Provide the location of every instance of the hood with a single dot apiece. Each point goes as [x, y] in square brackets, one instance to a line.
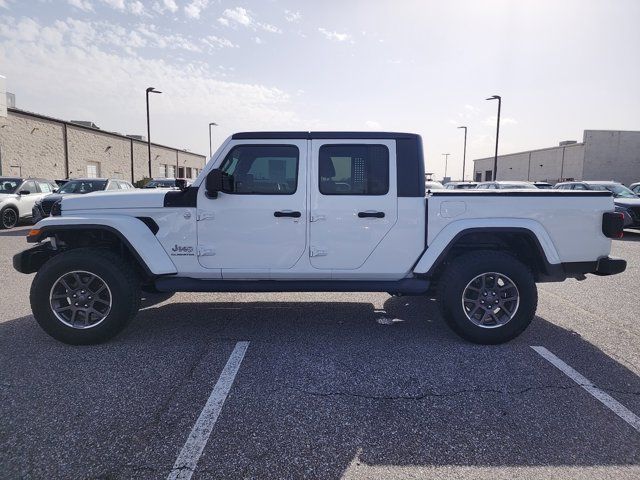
[53, 198]
[627, 202]
[117, 199]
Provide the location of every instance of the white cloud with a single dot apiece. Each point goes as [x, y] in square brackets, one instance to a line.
[117, 4]
[4, 3]
[290, 16]
[170, 5]
[70, 72]
[239, 15]
[338, 37]
[491, 121]
[136, 7]
[84, 5]
[258, 40]
[373, 125]
[194, 9]
[242, 16]
[218, 42]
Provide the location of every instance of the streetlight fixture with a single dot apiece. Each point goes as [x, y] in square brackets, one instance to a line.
[446, 161]
[464, 152]
[495, 157]
[212, 124]
[149, 90]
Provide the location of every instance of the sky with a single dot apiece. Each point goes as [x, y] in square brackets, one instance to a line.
[417, 66]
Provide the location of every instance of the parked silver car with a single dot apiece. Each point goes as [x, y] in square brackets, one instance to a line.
[19, 195]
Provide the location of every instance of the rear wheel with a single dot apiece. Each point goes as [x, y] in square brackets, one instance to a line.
[85, 296]
[8, 217]
[488, 297]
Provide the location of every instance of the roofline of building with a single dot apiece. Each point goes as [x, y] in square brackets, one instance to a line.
[94, 130]
[577, 144]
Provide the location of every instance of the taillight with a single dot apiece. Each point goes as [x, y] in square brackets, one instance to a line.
[613, 224]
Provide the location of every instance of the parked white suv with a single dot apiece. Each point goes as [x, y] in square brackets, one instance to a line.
[316, 211]
[18, 196]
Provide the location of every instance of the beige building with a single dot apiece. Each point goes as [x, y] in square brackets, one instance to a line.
[33, 145]
[602, 155]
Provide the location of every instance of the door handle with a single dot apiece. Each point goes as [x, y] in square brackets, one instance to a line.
[371, 214]
[287, 213]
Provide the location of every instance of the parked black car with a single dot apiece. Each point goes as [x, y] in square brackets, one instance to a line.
[42, 208]
[635, 188]
[627, 202]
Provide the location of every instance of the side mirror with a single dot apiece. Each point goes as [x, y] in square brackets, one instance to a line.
[55, 190]
[24, 192]
[218, 181]
[181, 183]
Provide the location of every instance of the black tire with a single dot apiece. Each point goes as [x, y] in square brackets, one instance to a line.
[117, 274]
[11, 220]
[464, 270]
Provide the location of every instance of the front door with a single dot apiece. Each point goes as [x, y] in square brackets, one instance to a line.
[353, 200]
[27, 201]
[261, 223]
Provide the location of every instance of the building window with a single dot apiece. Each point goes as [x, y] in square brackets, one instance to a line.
[93, 169]
[181, 172]
[488, 175]
[354, 170]
[478, 176]
[171, 171]
[162, 171]
[188, 173]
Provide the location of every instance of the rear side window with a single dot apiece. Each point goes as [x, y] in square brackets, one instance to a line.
[45, 187]
[263, 169]
[354, 170]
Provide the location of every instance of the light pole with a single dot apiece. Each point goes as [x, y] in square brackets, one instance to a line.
[495, 157]
[212, 124]
[149, 90]
[464, 152]
[446, 162]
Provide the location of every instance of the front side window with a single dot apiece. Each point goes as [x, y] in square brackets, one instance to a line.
[9, 185]
[354, 169]
[262, 169]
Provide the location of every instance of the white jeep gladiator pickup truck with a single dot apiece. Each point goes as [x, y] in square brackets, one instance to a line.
[321, 212]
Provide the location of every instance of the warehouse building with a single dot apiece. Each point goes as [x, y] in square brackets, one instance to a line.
[33, 145]
[602, 155]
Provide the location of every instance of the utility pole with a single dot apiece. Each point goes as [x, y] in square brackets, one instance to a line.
[149, 90]
[446, 162]
[495, 157]
[212, 124]
[464, 152]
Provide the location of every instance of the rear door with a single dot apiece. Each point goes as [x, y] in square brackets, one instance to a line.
[353, 200]
[261, 224]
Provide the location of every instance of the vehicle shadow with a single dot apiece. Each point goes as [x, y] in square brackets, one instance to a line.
[325, 389]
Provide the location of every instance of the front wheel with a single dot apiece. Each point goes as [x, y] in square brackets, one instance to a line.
[85, 296]
[8, 217]
[488, 297]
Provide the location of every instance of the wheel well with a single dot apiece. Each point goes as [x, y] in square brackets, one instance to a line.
[522, 244]
[100, 238]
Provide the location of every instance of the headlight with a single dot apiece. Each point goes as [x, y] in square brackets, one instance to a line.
[56, 209]
[38, 202]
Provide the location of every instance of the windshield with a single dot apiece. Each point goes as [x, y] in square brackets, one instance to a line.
[619, 191]
[9, 185]
[160, 184]
[83, 186]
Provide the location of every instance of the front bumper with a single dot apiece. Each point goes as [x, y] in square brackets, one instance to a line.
[30, 260]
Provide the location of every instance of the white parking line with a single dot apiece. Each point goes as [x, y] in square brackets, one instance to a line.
[606, 399]
[190, 453]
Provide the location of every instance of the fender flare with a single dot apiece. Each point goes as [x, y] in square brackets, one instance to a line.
[133, 232]
[447, 237]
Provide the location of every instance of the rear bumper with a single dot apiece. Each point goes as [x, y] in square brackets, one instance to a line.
[602, 267]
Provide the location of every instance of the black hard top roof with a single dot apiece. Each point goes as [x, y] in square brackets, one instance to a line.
[322, 135]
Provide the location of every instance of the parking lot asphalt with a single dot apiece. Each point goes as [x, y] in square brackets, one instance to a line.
[353, 386]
